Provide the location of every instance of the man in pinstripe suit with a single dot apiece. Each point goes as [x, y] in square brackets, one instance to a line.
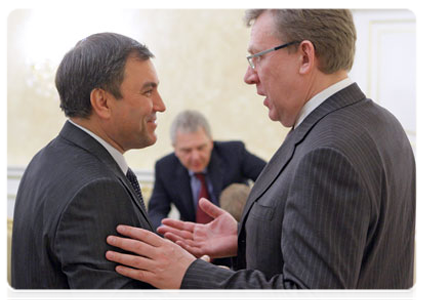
[335, 206]
[79, 186]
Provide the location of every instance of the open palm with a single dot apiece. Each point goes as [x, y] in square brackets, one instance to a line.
[217, 238]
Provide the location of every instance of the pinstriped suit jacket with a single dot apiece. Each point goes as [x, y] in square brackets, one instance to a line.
[334, 208]
[71, 197]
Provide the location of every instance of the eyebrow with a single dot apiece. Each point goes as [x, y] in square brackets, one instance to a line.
[150, 85]
[251, 49]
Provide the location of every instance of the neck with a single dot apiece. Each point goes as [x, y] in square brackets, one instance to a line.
[323, 81]
[95, 127]
[310, 87]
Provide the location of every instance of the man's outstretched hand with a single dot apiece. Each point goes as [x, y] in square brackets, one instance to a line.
[218, 238]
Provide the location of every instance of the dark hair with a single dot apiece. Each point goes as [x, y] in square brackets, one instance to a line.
[97, 61]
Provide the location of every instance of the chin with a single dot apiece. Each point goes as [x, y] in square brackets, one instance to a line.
[273, 116]
[197, 170]
[147, 141]
[152, 141]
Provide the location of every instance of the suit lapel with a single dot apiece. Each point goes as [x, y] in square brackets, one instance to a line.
[134, 196]
[283, 155]
[270, 172]
[85, 141]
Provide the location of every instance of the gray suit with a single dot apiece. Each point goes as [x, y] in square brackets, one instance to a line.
[334, 208]
[71, 197]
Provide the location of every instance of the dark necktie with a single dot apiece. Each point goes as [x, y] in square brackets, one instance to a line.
[134, 182]
[201, 216]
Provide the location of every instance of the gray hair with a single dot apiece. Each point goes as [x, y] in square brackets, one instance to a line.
[331, 31]
[97, 61]
[189, 121]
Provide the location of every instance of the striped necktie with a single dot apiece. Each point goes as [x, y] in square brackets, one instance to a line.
[134, 182]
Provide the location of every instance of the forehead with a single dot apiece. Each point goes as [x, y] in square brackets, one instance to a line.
[263, 33]
[191, 139]
[141, 70]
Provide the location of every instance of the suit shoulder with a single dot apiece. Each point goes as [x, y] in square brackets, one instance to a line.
[229, 145]
[167, 160]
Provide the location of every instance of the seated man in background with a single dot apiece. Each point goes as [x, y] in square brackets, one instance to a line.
[199, 167]
[233, 199]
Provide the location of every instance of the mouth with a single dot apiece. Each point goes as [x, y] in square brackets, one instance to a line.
[152, 120]
[259, 91]
[265, 100]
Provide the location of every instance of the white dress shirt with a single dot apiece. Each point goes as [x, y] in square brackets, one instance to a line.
[321, 97]
[117, 156]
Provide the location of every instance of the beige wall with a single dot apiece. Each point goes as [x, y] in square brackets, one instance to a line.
[200, 59]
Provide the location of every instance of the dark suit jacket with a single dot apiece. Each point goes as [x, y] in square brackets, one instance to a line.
[71, 197]
[334, 208]
[229, 163]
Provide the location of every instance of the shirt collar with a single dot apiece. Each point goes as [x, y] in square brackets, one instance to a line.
[319, 98]
[192, 173]
[117, 156]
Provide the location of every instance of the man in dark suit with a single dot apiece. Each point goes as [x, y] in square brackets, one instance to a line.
[333, 208]
[79, 187]
[221, 163]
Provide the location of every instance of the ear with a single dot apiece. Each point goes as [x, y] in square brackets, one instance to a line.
[100, 102]
[307, 57]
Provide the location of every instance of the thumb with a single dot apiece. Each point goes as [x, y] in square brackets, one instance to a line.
[210, 209]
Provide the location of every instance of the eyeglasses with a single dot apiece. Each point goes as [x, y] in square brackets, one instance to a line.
[250, 57]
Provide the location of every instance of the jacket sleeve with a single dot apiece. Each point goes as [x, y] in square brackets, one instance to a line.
[80, 239]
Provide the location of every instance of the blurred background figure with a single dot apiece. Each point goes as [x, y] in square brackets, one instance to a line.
[199, 167]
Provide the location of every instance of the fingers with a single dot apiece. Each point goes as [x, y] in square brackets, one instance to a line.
[140, 275]
[196, 251]
[177, 224]
[178, 240]
[133, 246]
[210, 209]
[186, 244]
[173, 237]
[175, 232]
[140, 234]
[138, 262]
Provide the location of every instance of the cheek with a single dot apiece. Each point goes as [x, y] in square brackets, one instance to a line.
[185, 159]
[206, 156]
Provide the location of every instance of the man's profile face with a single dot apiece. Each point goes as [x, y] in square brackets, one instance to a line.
[193, 149]
[276, 73]
[134, 116]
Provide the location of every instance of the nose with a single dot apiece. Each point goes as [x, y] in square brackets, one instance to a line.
[251, 76]
[195, 155]
[158, 104]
